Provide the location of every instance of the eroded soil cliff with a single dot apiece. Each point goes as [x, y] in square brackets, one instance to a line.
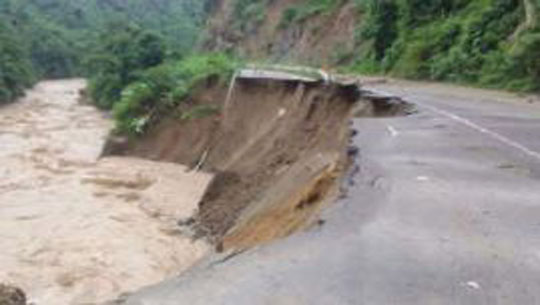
[277, 148]
[323, 39]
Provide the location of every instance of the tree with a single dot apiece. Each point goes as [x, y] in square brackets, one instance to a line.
[122, 52]
[15, 69]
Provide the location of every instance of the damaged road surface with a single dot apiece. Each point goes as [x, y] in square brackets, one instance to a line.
[245, 166]
[445, 209]
[441, 204]
[277, 147]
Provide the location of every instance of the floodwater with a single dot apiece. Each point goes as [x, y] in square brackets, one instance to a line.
[78, 230]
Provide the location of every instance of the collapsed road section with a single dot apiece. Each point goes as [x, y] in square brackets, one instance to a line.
[259, 165]
[279, 150]
[277, 147]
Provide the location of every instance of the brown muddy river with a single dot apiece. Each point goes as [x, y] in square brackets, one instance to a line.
[78, 230]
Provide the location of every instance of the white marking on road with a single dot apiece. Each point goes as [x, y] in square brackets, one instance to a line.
[422, 178]
[473, 285]
[393, 131]
[486, 131]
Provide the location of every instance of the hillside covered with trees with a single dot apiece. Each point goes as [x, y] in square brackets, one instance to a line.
[135, 53]
[15, 68]
[492, 43]
[58, 38]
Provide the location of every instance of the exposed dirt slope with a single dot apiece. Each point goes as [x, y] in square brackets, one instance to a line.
[323, 39]
[277, 149]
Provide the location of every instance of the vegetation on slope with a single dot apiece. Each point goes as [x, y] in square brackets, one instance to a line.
[133, 74]
[57, 36]
[303, 10]
[135, 53]
[161, 89]
[15, 69]
[452, 40]
[491, 43]
[122, 52]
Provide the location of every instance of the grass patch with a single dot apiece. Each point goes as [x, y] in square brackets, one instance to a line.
[161, 89]
[470, 42]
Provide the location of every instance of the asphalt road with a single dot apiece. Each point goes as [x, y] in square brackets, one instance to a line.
[444, 210]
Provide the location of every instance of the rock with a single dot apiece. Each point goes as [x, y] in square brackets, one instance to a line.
[115, 146]
[353, 151]
[10, 295]
[186, 222]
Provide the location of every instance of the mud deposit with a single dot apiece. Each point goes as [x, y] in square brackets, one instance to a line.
[74, 230]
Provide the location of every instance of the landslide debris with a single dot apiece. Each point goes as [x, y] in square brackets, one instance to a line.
[10, 295]
[277, 147]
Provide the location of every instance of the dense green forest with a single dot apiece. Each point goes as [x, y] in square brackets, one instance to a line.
[136, 53]
[61, 38]
[493, 43]
[15, 68]
[132, 74]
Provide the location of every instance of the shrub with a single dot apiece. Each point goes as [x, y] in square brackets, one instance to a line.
[381, 26]
[300, 12]
[457, 40]
[159, 90]
[119, 59]
[132, 109]
[15, 68]
[524, 64]
[246, 12]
